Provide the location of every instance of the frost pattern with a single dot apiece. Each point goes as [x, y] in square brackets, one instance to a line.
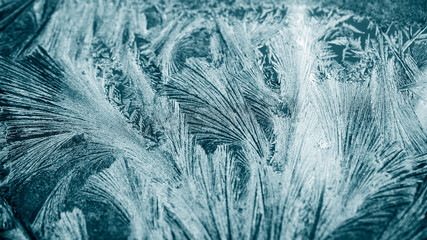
[209, 120]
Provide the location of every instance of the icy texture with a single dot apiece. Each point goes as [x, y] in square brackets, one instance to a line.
[210, 120]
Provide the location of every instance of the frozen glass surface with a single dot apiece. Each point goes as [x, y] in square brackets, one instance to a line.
[230, 119]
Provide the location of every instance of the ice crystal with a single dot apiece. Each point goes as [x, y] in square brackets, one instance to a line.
[212, 120]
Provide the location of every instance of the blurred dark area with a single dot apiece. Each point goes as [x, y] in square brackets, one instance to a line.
[386, 12]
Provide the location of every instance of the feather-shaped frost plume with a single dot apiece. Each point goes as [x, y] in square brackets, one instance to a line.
[212, 120]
